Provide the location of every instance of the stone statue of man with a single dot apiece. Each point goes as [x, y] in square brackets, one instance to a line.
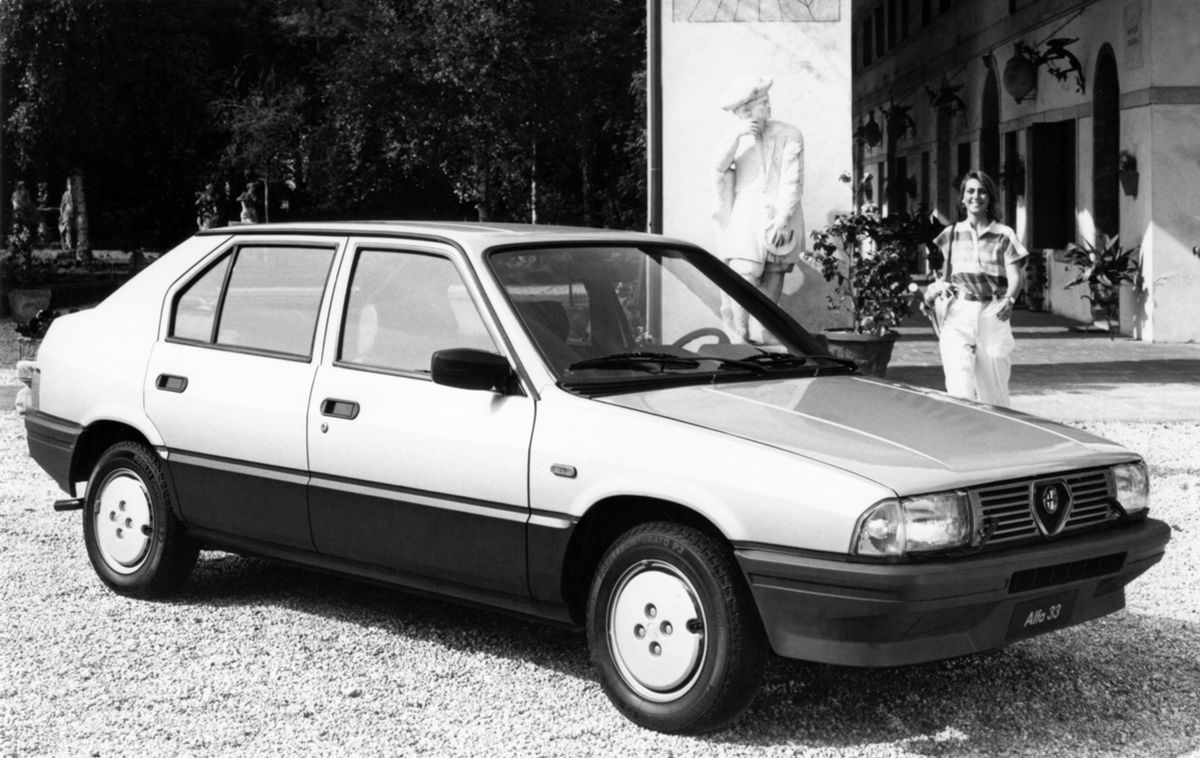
[249, 201]
[759, 180]
[66, 217]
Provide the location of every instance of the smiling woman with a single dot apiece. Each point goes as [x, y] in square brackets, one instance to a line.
[982, 276]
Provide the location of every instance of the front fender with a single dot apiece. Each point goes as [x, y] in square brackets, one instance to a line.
[585, 452]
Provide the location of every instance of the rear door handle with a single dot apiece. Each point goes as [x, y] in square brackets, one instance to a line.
[171, 383]
[347, 409]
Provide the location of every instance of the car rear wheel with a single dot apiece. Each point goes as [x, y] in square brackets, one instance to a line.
[134, 541]
[673, 630]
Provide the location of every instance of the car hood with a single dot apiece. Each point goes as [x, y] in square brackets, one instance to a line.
[909, 439]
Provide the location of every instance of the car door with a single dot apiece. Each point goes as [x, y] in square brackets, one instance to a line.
[228, 387]
[407, 474]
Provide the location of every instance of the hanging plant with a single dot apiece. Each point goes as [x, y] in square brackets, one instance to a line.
[946, 97]
[1057, 53]
[899, 123]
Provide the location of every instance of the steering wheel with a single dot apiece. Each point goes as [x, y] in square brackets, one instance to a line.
[704, 331]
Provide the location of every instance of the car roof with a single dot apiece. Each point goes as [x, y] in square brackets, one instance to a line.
[475, 234]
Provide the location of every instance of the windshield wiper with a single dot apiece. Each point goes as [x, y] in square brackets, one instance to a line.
[846, 362]
[654, 363]
[774, 360]
[750, 364]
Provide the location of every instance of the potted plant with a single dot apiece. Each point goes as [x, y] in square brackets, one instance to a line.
[868, 258]
[1103, 269]
[25, 281]
[19, 269]
[1035, 280]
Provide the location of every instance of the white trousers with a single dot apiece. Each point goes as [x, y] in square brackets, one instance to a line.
[977, 352]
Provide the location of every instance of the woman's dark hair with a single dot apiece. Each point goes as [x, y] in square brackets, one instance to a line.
[989, 186]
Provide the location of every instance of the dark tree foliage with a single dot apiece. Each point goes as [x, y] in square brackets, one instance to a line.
[120, 92]
[501, 109]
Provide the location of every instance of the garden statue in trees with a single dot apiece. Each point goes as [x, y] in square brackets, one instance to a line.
[66, 217]
[249, 199]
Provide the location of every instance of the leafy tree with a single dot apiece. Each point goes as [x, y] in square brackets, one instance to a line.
[266, 127]
[522, 108]
[509, 109]
[119, 92]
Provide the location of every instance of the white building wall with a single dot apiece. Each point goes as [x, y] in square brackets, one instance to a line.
[1171, 170]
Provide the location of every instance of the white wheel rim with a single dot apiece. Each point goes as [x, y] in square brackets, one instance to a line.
[656, 631]
[122, 521]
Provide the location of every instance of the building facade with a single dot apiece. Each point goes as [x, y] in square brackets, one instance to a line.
[1087, 112]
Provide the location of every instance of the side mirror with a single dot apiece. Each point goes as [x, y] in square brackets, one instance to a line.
[470, 369]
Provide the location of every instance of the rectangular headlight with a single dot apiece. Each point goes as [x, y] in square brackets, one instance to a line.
[1133, 487]
[922, 524]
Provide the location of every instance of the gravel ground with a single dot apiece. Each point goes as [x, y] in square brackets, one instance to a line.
[262, 659]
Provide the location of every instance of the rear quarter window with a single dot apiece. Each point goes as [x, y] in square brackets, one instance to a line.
[256, 298]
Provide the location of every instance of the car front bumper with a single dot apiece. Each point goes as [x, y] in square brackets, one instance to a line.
[868, 614]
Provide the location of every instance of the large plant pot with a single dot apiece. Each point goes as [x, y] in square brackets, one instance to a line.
[24, 304]
[871, 352]
[1105, 302]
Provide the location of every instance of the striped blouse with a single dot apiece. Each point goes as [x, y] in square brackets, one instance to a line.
[977, 260]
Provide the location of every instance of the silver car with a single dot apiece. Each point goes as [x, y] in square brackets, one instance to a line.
[555, 422]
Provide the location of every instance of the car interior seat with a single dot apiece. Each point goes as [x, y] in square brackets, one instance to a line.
[548, 323]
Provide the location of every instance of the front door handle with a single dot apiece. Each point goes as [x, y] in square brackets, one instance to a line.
[347, 409]
[171, 383]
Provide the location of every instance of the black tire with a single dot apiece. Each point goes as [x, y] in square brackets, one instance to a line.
[135, 543]
[673, 630]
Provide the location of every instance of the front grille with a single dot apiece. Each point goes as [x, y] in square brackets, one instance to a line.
[1008, 512]
[1064, 573]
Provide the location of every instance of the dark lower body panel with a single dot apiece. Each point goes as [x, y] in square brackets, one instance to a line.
[52, 444]
[516, 604]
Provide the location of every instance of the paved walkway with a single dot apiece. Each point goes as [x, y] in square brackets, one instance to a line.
[1067, 374]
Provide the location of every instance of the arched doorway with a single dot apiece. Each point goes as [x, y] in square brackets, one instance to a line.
[1106, 142]
[989, 133]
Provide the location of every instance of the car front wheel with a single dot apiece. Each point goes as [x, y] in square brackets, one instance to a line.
[673, 630]
[134, 542]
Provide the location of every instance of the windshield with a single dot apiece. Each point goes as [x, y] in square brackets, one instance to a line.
[614, 315]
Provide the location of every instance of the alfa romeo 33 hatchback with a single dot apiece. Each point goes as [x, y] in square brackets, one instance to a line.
[555, 422]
